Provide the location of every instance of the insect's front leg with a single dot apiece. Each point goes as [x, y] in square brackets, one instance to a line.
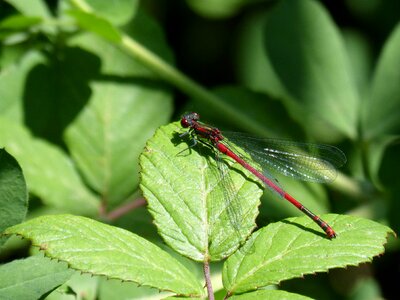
[193, 140]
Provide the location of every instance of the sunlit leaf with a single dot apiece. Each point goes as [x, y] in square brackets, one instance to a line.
[118, 12]
[100, 249]
[18, 22]
[35, 8]
[193, 211]
[295, 247]
[12, 80]
[96, 24]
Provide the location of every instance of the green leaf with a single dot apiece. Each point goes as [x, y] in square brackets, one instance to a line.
[381, 111]
[269, 295]
[100, 249]
[256, 71]
[117, 290]
[115, 61]
[391, 182]
[12, 81]
[13, 192]
[148, 33]
[360, 58]
[309, 57]
[117, 12]
[65, 95]
[31, 278]
[79, 284]
[96, 24]
[368, 288]
[108, 135]
[376, 150]
[18, 22]
[253, 66]
[35, 8]
[216, 8]
[49, 173]
[296, 246]
[191, 207]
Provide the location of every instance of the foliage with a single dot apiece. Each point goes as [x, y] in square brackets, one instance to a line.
[85, 83]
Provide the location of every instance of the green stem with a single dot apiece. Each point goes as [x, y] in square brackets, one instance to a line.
[82, 5]
[191, 88]
[188, 86]
[350, 186]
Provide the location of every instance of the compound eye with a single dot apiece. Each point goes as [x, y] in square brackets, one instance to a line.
[184, 122]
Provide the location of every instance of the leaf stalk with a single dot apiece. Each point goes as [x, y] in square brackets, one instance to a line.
[206, 270]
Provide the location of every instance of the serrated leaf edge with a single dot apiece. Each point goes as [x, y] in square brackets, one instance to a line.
[43, 249]
[368, 260]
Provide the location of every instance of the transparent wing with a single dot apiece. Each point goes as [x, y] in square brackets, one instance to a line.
[241, 216]
[303, 161]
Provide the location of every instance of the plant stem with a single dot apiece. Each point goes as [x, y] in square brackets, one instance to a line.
[206, 270]
[82, 5]
[126, 208]
[170, 74]
[352, 187]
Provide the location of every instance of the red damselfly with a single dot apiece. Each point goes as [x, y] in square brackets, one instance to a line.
[305, 161]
